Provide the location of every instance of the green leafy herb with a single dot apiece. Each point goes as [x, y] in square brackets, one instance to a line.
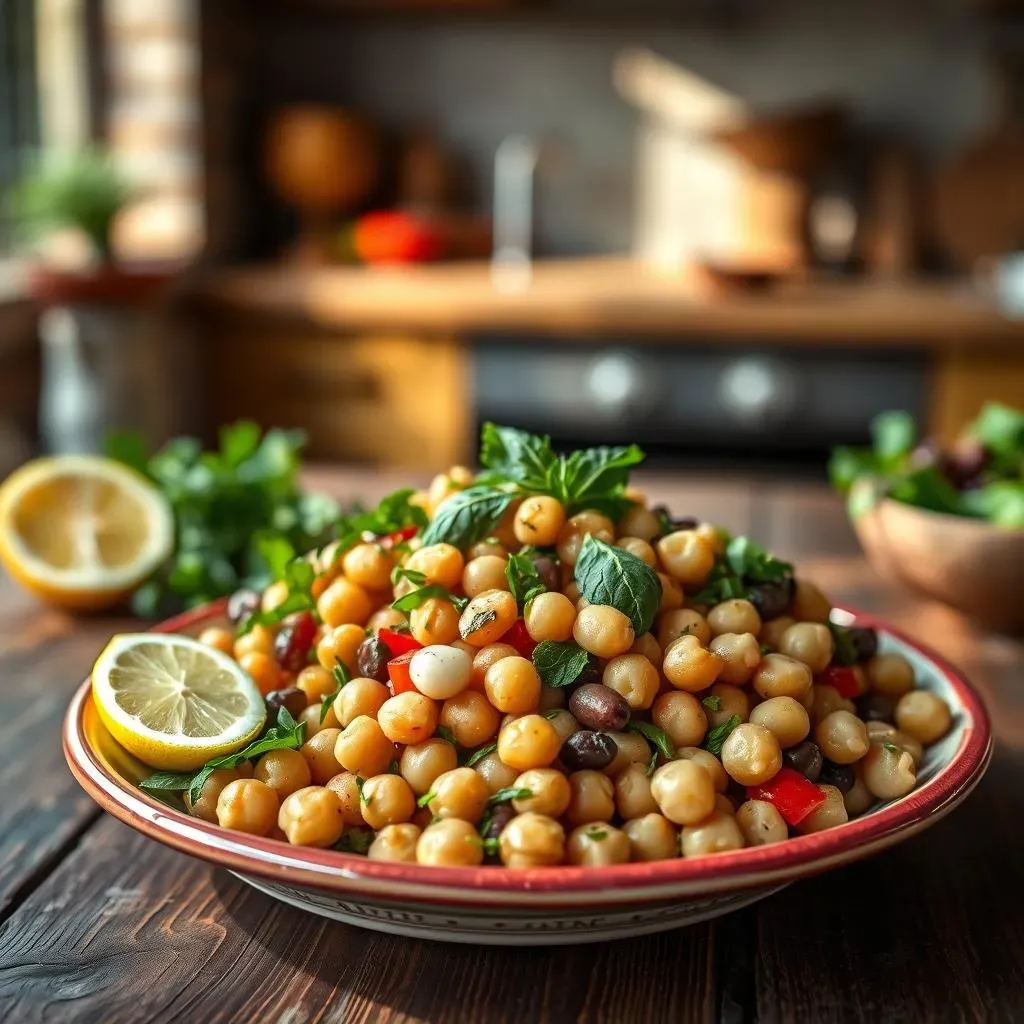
[342, 676]
[559, 663]
[843, 650]
[446, 734]
[893, 435]
[892, 748]
[415, 598]
[478, 755]
[712, 702]
[414, 576]
[1000, 502]
[658, 737]
[597, 834]
[508, 793]
[516, 455]
[355, 840]
[753, 563]
[523, 580]
[468, 517]
[491, 845]
[652, 765]
[361, 786]
[395, 512]
[715, 739]
[609, 575]
[478, 621]
[426, 798]
[764, 649]
[722, 588]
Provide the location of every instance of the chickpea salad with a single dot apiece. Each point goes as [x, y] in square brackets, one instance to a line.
[530, 666]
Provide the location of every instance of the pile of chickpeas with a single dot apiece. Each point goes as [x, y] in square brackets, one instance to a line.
[419, 772]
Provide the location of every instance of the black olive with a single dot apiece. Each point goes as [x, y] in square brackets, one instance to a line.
[501, 815]
[547, 570]
[865, 642]
[839, 775]
[590, 674]
[596, 706]
[772, 599]
[805, 758]
[585, 749]
[291, 698]
[241, 604]
[372, 657]
[875, 707]
[675, 522]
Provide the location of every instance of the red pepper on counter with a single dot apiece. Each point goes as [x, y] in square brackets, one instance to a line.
[399, 643]
[517, 637]
[847, 679]
[398, 673]
[791, 794]
[390, 540]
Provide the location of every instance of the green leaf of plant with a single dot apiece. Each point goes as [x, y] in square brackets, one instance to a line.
[715, 739]
[478, 755]
[612, 576]
[516, 455]
[844, 652]
[658, 737]
[468, 517]
[559, 663]
[1000, 428]
[847, 465]
[893, 435]
[238, 442]
[597, 478]
[178, 782]
[1000, 502]
[129, 447]
[508, 793]
[523, 579]
[415, 598]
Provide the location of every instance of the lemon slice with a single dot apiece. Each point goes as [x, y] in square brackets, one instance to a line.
[174, 702]
[82, 531]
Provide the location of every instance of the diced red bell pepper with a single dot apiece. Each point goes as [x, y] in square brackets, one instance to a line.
[391, 539]
[517, 637]
[398, 673]
[399, 643]
[847, 679]
[792, 795]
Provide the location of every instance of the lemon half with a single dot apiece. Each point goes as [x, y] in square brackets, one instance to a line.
[173, 702]
[82, 531]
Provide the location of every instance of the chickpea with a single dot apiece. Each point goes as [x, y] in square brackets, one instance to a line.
[318, 751]
[639, 522]
[485, 658]
[809, 603]
[344, 602]
[710, 763]
[532, 840]
[760, 823]
[259, 640]
[470, 717]
[684, 791]
[345, 786]
[247, 805]
[263, 669]
[487, 572]
[451, 843]
[717, 833]
[634, 678]
[563, 723]
[672, 596]
[360, 696]
[734, 616]
[592, 797]
[495, 773]
[842, 737]
[387, 800]
[385, 618]
[422, 763]
[891, 674]
[539, 520]
[827, 815]
[603, 631]
[528, 742]
[923, 715]
[550, 616]
[639, 549]
[715, 537]
[597, 844]
[310, 717]
[274, 595]
[284, 771]
[220, 639]
[652, 837]
[633, 797]
[911, 744]
[785, 718]
[396, 843]
[828, 699]
[440, 672]
[363, 748]
[888, 772]
[809, 642]
[682, 717]
[649, 647]
[687, 557]
[513, 685]
[460, 793]
[440, 563]
[740, 654]
[551, 792]
[205, 806]
[731, 701]
[487, 546]
[632, 749]
[436, 621]
[408, 718]
[751, 754]
[858, 798]
[369, 566]
[690, 666]
[488, 617]
[682, 622]
[779, 676]
[316, 683]
[577, 529]
[311, 817]
[771, 632]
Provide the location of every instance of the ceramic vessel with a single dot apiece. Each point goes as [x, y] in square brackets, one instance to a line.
[543, 906]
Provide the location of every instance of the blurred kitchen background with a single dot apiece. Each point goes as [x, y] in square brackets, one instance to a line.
[730, 230]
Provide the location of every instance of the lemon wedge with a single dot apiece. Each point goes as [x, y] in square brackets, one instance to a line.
[82, 531]
[173, 702]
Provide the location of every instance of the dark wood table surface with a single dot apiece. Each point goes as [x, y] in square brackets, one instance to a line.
[99, 924]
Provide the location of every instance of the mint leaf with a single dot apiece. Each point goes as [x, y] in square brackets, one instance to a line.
[559, 664]
[612, 576]
[415, 598]
[656, 736]
[478, 755]
[517, 456]
[178, 782]
[597, 478]
[414, 576]
[712, 702]
[468, 517]
[342, 676]
[509, 793]
[523, 580]
[715, 740]
[478, 621]
[446, 734]
[753, 563]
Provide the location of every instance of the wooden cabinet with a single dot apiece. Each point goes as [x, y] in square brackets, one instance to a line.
[391, 400]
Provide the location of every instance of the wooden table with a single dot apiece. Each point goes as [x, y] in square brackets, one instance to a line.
[99, 924]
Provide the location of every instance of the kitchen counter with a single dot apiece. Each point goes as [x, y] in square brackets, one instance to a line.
[613, 295]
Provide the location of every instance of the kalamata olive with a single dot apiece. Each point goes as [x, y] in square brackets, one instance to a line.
[547, 570]
[675, 522]
[372, 657]
[294, 641]
[586, 749]
[291, 698]
[596, 706]
[865, 642]
[241, 604]
[501, 815]
[772, 599]
[876, 707]
[806, 758]
[839, 775]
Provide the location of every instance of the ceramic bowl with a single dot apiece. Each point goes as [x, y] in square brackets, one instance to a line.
[966, 563]
[536, 906]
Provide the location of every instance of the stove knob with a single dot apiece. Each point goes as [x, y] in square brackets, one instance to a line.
[616, 381]
[756, 390]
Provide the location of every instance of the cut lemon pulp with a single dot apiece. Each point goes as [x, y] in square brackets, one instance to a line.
[173, 702]
[82, 531]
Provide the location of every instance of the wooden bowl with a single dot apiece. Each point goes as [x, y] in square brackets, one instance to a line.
[538, 906]
[966, 563]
